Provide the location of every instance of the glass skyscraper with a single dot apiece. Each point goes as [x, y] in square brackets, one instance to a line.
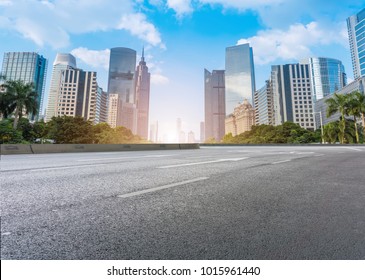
[29, 67]
[240, 76]
[327, 75]
[356, 31]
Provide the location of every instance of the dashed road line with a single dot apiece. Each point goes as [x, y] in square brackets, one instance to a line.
[278, 162]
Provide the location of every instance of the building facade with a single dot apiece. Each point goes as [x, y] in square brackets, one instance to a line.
[101, 113]
[242, 119]
[121, 81]
[264, 105]
[214, 102]
[154, 132]
[239, 76]
[142, 88]
[29, 67]
[327, 76]
[292, 95]
[356, 33]
[62, 62]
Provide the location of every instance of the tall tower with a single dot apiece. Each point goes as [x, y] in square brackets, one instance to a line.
[62, 62]
[142, 87]
[356, 31]
[29, 67]
[215, 111]
[240, 76]
[122, 68]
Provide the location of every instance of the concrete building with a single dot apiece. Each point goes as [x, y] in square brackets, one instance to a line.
[29, 67]
[202, 132]
[264, 105]
[214, 102]
[62, 62]
[242, 119]
[239, 76]
[142, 88]
[101, 113]
[327, 76]
[122, 66]
[356, 32]
[292, 94]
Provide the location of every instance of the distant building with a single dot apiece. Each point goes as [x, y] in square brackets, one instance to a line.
[242, 119]
[292, 93]
[239, 76]
[114, 103]
[356, 32]
[154, 132]
[264, 105]
[178, 129]
[327, 76]
[62, 62]
[101, 113]
[142, 88]
[29, 67]
[215, 112]
[191, 137]
[182, 137]
[202, 132]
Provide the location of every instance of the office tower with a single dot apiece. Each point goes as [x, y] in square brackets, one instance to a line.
[154, 132]
[264, 106]
[122, 66]
[142, 87]
[202, 132]
[77, 94]
[292, 93]
[215, 113]
[356, 32]
[191, 137]
[240, 76]
[101, 107]
[242, 119]
[29, 67]
[178, 130]
[114, 103]
[63, 61]
[327, 75]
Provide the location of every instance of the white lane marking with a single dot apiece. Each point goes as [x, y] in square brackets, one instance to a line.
[162, 187]
[65, 167]
[152, 156]
[6, 233]
[320, 155]
[354, 149]
[277, 162]
[202, 162]
[305, 153]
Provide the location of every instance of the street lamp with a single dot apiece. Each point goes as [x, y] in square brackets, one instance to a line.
[321, 120]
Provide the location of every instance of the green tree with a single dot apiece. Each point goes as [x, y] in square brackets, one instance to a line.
[339, 103]
[8, 135]
[18, 97]
[360, 106]
[330, 132]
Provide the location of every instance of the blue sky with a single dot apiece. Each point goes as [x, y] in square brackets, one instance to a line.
[181, 37]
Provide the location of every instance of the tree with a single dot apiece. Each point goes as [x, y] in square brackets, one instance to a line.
[354, 109]
[18, 97]
[330, 132]
[8, 135]
[360, 104]
[339, 103]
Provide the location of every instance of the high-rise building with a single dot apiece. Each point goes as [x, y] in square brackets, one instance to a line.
[191, 137]
[101, 112]
[202, 132]
[356, 32]
[292, 93]
[63, 61]
[215, 111]
[178, 129]
[242, 119]
[264, 106]
[327, 75]
[29, 67]
[142, 87]
[239, 76]
[154, 132]
[113, 104]
[77, 94]
[122, 66]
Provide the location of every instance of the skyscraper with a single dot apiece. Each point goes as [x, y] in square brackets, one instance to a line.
[142, 87]
[154, 132]
[63, 61]
[122, 66]
[356, 31]
[215, 111]
[29, 67]
[240, 76]
[264, 106]
[101, 113]
[327, 75]
[292, 93]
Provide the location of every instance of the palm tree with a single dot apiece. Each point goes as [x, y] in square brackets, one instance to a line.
[330, 132]
[360, 104]
[354, 109]
[19, 97]
[339, 103]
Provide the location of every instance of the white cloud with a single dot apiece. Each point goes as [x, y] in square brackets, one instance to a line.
[92, 57]
[159, 79]
[294, 43]
[181, 7]
[243, 4]
[52, 22]
[138, 25]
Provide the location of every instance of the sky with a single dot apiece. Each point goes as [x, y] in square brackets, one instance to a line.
[181, 38]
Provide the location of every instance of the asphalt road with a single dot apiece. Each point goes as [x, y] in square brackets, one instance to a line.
[213, 203]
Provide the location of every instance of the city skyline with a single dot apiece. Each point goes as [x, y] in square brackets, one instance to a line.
[176, 70]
